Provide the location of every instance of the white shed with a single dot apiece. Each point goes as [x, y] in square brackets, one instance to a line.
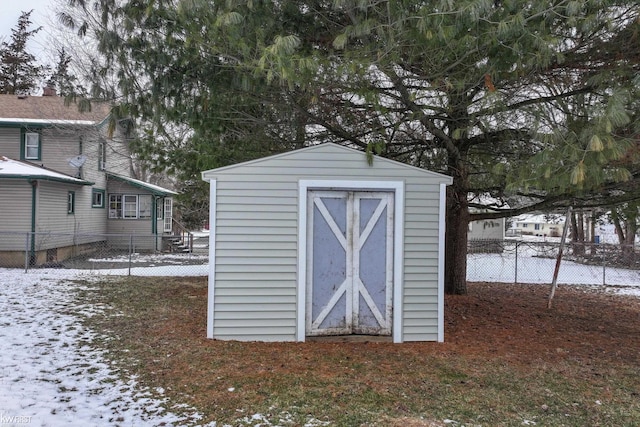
[318, 242]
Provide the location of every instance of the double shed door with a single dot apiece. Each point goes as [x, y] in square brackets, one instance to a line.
[349, 262]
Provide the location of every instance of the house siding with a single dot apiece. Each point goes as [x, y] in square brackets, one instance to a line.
[16, 213]
[58, 145]
[257, 211]
[141, 228]
[10, 142]
[487, 229]
[63, 229]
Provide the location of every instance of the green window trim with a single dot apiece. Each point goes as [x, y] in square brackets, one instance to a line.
[24, 134]
[71, 202]
[98, 198]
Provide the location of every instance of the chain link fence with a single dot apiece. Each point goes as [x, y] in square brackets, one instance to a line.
[127, 254]
[521, 261]
[506, 261]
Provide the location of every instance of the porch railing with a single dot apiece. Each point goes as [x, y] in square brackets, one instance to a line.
[179, 231]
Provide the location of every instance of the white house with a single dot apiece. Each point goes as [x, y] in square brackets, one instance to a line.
[319, 242]
[538, 225]
[487, 229]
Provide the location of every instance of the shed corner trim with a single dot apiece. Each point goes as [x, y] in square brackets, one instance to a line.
[212, 258]
[441, 243]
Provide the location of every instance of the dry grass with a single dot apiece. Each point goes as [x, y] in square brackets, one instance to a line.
[507, 360]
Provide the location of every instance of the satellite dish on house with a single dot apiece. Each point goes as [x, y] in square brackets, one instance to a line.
[77, 161]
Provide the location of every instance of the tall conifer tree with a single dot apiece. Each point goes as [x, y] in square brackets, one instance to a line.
[20, 72]
[523, 101]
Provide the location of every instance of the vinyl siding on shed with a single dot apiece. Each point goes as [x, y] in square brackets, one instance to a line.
[256, 261]
[256, 238]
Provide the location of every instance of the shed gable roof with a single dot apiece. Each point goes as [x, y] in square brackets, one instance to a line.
[328, 147]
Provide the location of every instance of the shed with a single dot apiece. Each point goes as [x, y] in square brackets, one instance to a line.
[318, 242]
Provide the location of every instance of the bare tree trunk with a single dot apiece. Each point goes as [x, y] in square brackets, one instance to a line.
[578, 248]
[457, 223]
[630, 236]
[618, 226]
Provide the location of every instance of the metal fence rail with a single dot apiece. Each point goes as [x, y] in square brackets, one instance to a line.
[520, 261]
[111, 253]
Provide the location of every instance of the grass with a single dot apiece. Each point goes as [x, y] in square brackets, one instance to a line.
[155, 329]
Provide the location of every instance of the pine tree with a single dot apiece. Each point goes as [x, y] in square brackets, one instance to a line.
[63, 80]
[523, 101]
[19, 70]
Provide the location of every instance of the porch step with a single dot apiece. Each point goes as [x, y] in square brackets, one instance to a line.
[176, 244]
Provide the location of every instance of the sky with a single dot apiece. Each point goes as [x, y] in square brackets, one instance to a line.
[42, 15]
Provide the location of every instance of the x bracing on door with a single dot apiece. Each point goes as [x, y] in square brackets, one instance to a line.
[350, 262]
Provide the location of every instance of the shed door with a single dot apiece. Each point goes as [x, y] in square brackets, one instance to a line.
[350, 262]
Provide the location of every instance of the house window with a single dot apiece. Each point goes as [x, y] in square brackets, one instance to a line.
[71, 202]
[97, 198]
[31, 146]
[115, 206]
[144, 206]
[102, 156]
[129, 206]
[159, 208]
[537, 226]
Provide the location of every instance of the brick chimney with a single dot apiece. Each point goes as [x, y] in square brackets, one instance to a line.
[48, 91]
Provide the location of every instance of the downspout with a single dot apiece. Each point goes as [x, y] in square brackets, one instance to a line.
[32, 255]
[154, 220]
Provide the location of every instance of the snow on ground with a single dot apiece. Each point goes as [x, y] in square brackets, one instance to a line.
[163, 270]
[50, 376]
[502, 268]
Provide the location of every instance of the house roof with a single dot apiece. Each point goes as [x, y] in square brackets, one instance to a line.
[540, 219]
[154, 189]
[14, 169]
[48, 110]
[326, 147]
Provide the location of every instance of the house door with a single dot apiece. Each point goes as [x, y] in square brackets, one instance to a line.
[350, 262]
[168, 215]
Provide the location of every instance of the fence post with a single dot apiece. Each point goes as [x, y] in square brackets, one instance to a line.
[516, 272]
[130, 251]
[26, 254]
[604, 265]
